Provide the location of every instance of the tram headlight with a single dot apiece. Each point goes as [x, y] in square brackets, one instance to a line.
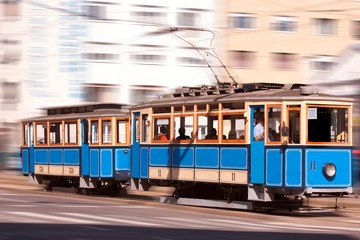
[329, 170]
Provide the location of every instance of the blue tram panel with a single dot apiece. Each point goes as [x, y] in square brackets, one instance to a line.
[315, 161]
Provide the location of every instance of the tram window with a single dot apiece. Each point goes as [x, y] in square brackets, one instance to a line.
[294, 125]
[178, 109]
[94, 131]
[71, 133]
[106, 131]
[233, 106]
[274, 123]
[121, 131]
[161, 129]
[327, 124]
[25, 134]
[233, 127]
[189, 108]
[56, 133]
[162, 110]
[41, 133]
[213, 107]
[145, 128]
[183, 127]
[201, 108]
[208, 127]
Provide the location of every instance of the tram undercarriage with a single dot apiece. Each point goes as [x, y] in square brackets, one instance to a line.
[82, 185]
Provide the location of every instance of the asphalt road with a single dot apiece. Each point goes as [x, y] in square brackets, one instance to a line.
[26, 212]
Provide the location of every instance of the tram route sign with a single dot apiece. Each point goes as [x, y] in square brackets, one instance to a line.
[312, 113]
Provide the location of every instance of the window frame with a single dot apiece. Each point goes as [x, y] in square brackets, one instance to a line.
[206, 114]
[45, 137]
[25, 134]
[62, 133]
[101, 140]
[77, 131]
[127, 128]
[191, 139]
[229, 113]
[266, 124]
[91, 143]
[349, 119]
[152, 128]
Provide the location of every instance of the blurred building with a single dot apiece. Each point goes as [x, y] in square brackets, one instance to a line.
[131, 54]
[281, 41]
[12, 74]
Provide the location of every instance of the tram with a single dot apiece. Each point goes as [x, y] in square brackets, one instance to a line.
[203, 143]
[86, 147]
[305, 151]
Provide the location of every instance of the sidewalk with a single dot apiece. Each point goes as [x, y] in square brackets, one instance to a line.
[15, 180]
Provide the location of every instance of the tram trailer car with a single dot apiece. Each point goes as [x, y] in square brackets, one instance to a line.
[306, 149]
[85, 147]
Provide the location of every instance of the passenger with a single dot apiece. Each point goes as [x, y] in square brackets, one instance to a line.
[232, 134]
[212, 134]
[259, 129]
[182, 135]
[162, 135]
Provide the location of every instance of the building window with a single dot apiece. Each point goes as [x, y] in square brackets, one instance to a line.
[11, 8]
[284, 24]
[284, 61]
[325, 26]
[242, 59]
[322, 63]
[148, 58]
[10, 92]
[242, 21]
[188, 19]
[100, 56]
[149, 17]
[95, 12]
[356, 30]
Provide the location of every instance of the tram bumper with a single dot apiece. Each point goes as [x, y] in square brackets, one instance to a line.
[328, 191]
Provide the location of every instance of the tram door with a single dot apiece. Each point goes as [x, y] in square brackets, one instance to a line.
[135, 164]
[85, 159]
[31, 148]
[257, 145]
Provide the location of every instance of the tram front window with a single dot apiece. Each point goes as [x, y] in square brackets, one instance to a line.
[327, 124]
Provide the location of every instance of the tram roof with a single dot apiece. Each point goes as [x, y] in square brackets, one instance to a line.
[258, 92]
[83, 111]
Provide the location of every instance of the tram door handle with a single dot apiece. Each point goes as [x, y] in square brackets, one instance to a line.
[313, 165]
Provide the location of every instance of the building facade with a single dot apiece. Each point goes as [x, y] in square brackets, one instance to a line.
[284, 42]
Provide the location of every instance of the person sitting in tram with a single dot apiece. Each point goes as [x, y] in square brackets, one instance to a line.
[182, 135]
[212, 134]
[162, 134]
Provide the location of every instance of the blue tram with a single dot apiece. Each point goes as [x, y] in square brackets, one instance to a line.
[203, 142]
[305, 149]
[84, 146]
